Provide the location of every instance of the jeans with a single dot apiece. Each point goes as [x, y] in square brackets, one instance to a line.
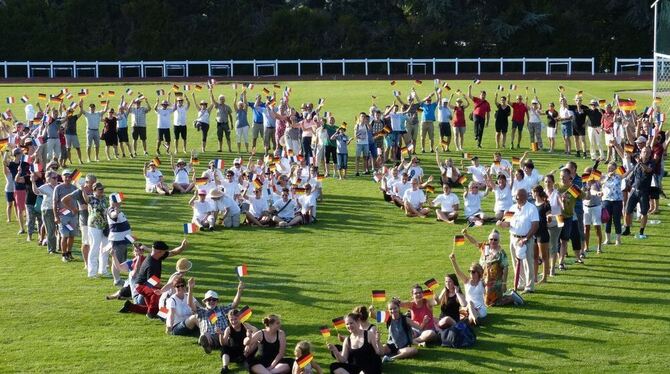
[615, 209]
[50, 225]
[307, 148]
[34, 221]
[535, 133]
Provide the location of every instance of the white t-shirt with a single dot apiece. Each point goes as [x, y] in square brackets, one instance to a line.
[47, 196]
[397, 121]
[503, 198]
[163, 117]
[553, 201]
[534, 115]
[533, 179]
[521, 184]
[203, 116]
[401, 187]
[201, 209]
[523, 218]
[287, 212]
[446, 202]
[153, 177]
[473, 203]
[415, 172]
[179, 307]
[258, 206]
[478, 173]
[444, 114]
[566, 113]
[308, 203]
[503, 168]
[179, 116]
[414, 197]
[93, 120]
[231, 189]
[361, 134]
[181, 175]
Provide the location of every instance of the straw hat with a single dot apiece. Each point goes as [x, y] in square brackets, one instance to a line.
[184, 265]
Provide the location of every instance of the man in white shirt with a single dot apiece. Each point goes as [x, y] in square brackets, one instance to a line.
[307, 205]
[414, 170]
[225, 208]
[93, 120]
[399, 189]
[283, 211]
[500, 166]
[478, 172]
[231, 186]
[413, 200]
[258, 209]
[203, 211]
[448, 203]
[522, 227]
[163, 114]
[179, 121]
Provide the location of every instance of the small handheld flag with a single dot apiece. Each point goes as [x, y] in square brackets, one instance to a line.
[418, 81]
[198, 87]
[508, 216]
[25, 99]
[190, 228]
[111, 93]
[129, 91]
[325, 331]
[242, 270]
[154, 281]
[431, 284]
[213, 318]
[160, 92]
[116, 197]
[476, 81]
[586, 177]
[459, 240]
[76, 174]
[629, 148]
[428, 294]
[596, 174]
[627, 104]
[338, 323]
[512, 87]
[501, 88]
[534, 147]
[201, 181]
[516, 161]
[462, 179]
[382, 316]
[244, 314]
[219, 164]
[11, 100]
[393, 83]
[266, 91]
[305, 360]
[574, 191]
[163, 312]
[621, 170]
[42, 96]
[156, 161]
[379, 295]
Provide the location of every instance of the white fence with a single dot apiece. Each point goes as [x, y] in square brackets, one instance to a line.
[639, 64]
[258, 68]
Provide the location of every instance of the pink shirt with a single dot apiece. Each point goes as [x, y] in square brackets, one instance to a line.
[307, 128]
[418, 314]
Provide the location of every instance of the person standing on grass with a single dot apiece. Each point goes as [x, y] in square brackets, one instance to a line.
[411, 118]
[595, 119]
[331, 147]
[427, 119]
[241, 123]
[122, 128]
[257, 109]
[179, 121]
[19, 172]
[341, 139]
[138, 121]
[71, 138]
[607, 123]
[535, 123]
[641, 178]
[555, 202]
[592, 211]
[577, 237]
[46, 190]
[376, 127]
[542, 239]
[459, 121]
[567, 202]
[612, 202]
[502, 119]
[110, 134]
[65, 219]
[79, 197]
[444, 117]
[519, 116]
[579, 125]
[163, 124]
[398, 130]
[480, 114]
[93, 120]
[224, 117]
[361, 131]
[522, 227]
[96, 205]
[147, 279]
[53, 124]
[565, 117]
[552, 116]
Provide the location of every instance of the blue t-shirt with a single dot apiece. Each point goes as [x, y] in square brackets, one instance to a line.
[241, 118]
[257, 111]
[342, 140]
[428, 111]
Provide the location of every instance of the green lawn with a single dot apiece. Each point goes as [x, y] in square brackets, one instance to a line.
[611, 314]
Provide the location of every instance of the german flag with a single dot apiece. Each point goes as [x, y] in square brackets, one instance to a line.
[266, 91]
[201, 181]
[574, 191]
[596, 174]
[418, 81]
[658, 100]
[627, 104]
[586, 177]
[621, 170]
[561, 89]
[111, 93]
[276, 86]
[387, 129]
[198, 87]
[431, 284]
[304, 360]
[446, 86]
[195, 161]
[42, 96]
[325, 331]
[459, 240]
[534, 147]
[156, 161]
[430, 189]
[444, 143]
[428, 294]
[300, 190]
[338, 323]
[507, 216]
[213, 318]
[467, 156]
[378, 295]
[4, 143]
[175, 87]
[258, 183]
[602, 102]
[55, 99]
[629, 148]
[516, 161]
[462, 179]
[393, 83]
[76, 174]
[320, 178]
[404, 151]
[244, 314]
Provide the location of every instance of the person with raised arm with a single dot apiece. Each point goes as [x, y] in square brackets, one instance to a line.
[202, 120]
[93, 119]
[459, 120]
[179, 121]
[163, 113]
[480, 114]
[224, 118]
[502, 119]
[138, 121]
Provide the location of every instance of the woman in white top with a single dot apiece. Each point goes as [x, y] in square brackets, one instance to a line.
[448, 205]
[182, 182]
[154, 179]
[181, 319]
[472, 199]
[565, 116]
[202, 120]
[474, 289]
[47, 191]
[555, 200]
[503, 195]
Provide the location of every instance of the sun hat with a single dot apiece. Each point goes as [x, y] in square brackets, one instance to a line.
[215, 194]
[202, 192]
[183, 265]
[211, 295]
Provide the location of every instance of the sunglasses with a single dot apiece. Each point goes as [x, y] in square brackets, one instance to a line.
[212, 300]
[494, 239]
[180, 286]
[472, 271]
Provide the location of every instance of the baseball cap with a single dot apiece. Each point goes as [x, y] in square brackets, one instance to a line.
[211, 295]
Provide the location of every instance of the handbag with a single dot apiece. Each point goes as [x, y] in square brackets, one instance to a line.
[604, 215]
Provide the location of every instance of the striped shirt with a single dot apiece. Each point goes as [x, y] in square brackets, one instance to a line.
[138, 116]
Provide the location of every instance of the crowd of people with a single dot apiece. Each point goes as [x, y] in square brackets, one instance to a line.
[544, 214]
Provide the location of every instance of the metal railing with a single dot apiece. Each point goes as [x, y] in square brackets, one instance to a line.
[638, 63]
[167, 69]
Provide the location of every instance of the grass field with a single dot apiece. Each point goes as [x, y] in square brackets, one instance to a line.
[611, 314]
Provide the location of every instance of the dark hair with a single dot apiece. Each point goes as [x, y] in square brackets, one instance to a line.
[572, 164]
[362, 310]
[179, 279]
[417, 287]
[539, 190]
[355, 316]
[160, 245]
[454, 278]
[270, 319]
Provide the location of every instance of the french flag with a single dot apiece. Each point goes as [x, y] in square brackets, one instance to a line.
[154, 281]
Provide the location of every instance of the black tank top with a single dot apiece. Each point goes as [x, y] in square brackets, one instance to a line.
[450, 308]
[237, 337]
[365, 357]
[269, 350]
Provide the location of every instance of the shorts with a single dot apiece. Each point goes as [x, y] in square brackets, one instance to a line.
[122, 133]
[542, 236]
[427, 128]
[578, 130]
[180, 132]
[235, 353]
[393, 349]
[68, 226]
[566, 129]
[164, 135]
[181, 330]
[268, 135]
[120, 249]
[459, 130]
[342, 159]
[84, 235]
[9, 196]
[551, 132]
[566, 230]
[362, 149]
[654, 193]
[445, 129]
[139, 133]
[242, 134]
[221, 129]
[592, 215]
[638, 197]
[92, 138]
[256, 130]
[393, 138]
[502, 127]
[111, 140]
[331, 153]
[517, 125]
[72, 141]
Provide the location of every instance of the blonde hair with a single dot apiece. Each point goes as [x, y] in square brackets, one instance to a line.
[302, 348]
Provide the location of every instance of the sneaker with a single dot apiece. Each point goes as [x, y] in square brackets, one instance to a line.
[358, 174]
[225, 370]
[518, 300]
[126, 307]
[579, 154]
[626, 231]
[64, 259]
[640, 236]
[386, 359]
[561, 267]
[204, 343]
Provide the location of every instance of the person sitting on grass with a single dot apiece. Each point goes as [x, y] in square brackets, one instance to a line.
[503, 195]
[226, 211]
[399, 326]
[182, 182]
[234, 339]
[212, 319]
[302, 349]
[449, 173]
[473, 205]
[421, 312]
[258, 213]
[271, 342]
[283, 211]
[307, 205]
[413, 200]
[360, 350]
[181, 318]
[451, 300]
[154, 180]
[448, 205]
[474, 290]
[203, 211]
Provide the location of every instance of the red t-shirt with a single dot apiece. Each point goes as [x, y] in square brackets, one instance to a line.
[459, 117]
[519, 111]
[481, 107]
[607, 121]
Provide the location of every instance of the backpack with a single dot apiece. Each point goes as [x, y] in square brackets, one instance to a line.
[459, 335]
